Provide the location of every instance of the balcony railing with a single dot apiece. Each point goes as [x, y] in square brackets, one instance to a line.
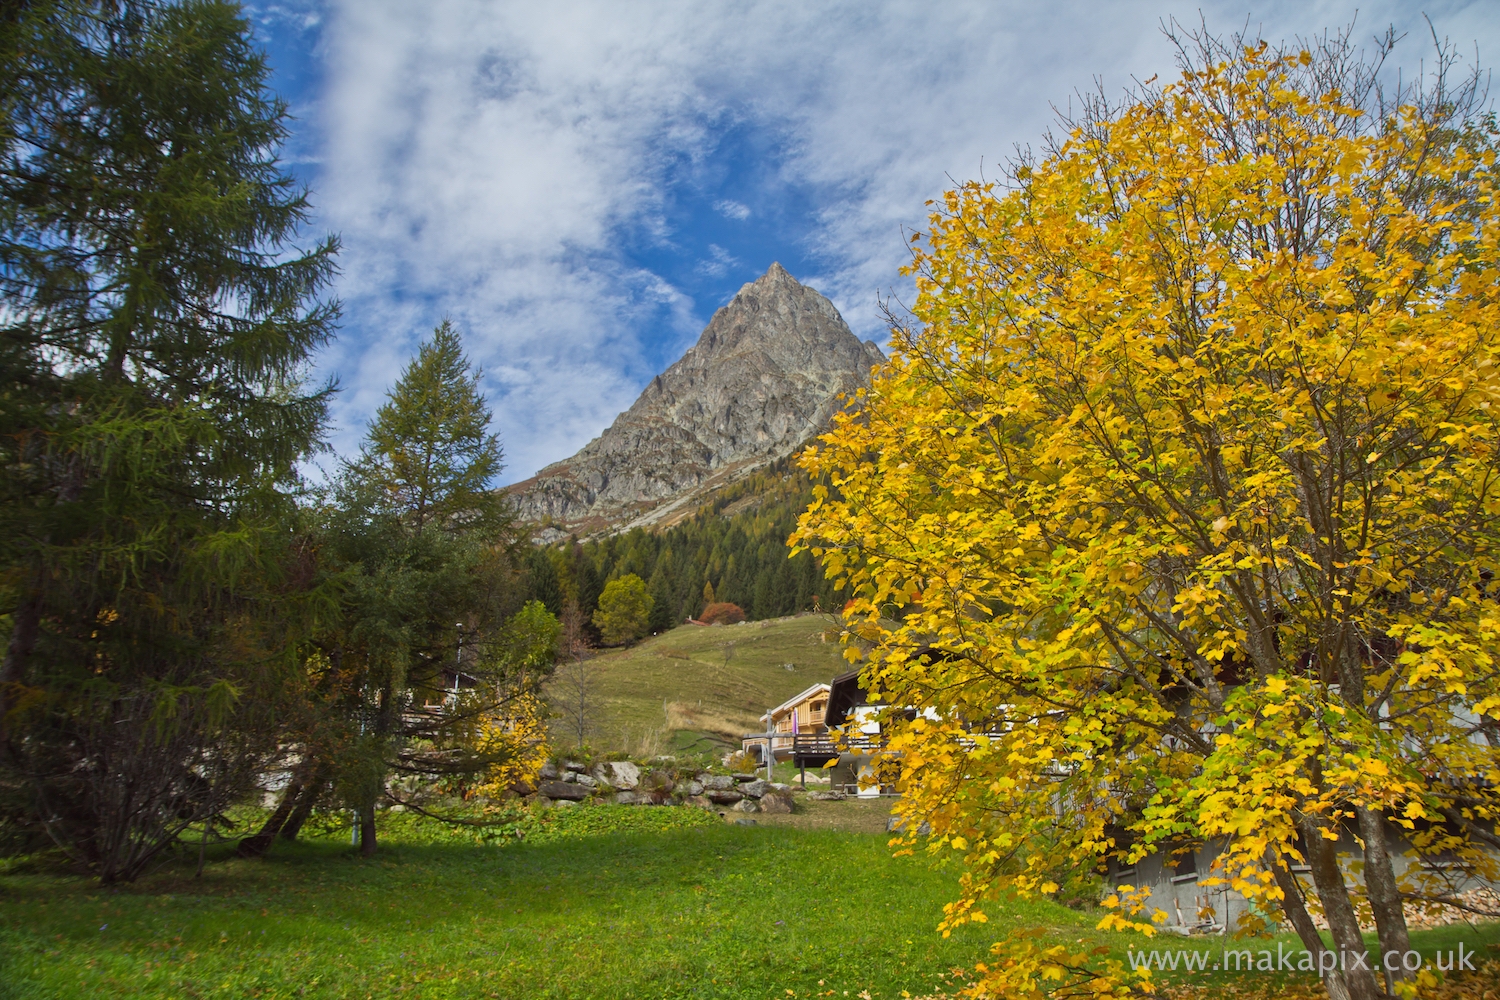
[827, 745]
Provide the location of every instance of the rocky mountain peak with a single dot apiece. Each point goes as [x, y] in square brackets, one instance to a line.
[765, 375]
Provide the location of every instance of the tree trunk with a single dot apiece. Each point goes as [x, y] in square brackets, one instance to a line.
[367, 830]
[305, 803]
[256, 846]
[1385, 896]
[1295, 908]
[1328, 878]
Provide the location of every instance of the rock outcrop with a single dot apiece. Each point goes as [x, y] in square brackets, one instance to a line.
[766, 375]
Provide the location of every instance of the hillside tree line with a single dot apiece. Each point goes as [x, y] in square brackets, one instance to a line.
[732, 550]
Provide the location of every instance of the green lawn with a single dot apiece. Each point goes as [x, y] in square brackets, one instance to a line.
[712, 911]
[658, 695]
[684, 906]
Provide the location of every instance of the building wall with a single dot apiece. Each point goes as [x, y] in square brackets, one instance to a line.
[1181, 896]
[807, 721]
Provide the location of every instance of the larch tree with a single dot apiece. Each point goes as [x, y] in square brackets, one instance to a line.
[1177, 505]
[429, 450]
[424, 650]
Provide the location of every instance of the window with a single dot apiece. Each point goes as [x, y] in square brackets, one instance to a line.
[1185, 866]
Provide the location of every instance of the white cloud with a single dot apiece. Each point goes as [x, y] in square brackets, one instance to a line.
[483, 160]
[732, 210]
[719, 261]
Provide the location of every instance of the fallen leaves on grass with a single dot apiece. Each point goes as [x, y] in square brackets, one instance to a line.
[1483, 984]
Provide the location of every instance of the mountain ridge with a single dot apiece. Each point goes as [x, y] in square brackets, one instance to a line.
[767, 373]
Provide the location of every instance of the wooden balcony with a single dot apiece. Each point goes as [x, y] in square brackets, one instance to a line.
[814, 749]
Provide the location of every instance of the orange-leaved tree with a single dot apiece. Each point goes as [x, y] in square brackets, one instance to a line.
[1177, 506]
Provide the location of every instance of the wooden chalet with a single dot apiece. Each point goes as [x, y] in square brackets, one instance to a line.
[454, 682]
[803, 714]
[800, 729]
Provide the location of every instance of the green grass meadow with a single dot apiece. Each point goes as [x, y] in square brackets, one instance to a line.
[596, 902]
[705, 910]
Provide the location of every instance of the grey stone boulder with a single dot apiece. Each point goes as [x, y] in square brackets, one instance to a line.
[698, 802]
[755, 789]
[744, 777]
[715, 782]
[827, 796]
[746, 806]
[619, 774]
[656, 783]
[574, 766]
[549, 772]
[893, 824]
[569, 777]
[563, 790]
[691, 787]
[776, 801]
[723, 796]
[586, 781]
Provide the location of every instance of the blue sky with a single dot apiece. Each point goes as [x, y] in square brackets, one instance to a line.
[580, 185]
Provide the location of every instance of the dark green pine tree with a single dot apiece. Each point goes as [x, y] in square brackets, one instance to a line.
[664, 601]
[764, 602]
[805, 577]
[588, 584]
[729, 587]
[542, 580]
[156, 325]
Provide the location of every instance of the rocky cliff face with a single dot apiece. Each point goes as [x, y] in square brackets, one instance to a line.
[764, 376]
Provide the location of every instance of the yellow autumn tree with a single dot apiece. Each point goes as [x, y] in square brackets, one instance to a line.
[514, 736]
[511, 728]
[624, 612]
[1177, 506]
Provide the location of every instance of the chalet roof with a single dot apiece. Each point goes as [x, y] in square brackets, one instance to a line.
[847, 693]
[796, 699]
[844, 694]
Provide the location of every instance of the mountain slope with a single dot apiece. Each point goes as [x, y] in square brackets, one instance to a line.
[765, 375]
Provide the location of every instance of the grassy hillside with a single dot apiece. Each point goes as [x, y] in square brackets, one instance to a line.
[682, 689]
